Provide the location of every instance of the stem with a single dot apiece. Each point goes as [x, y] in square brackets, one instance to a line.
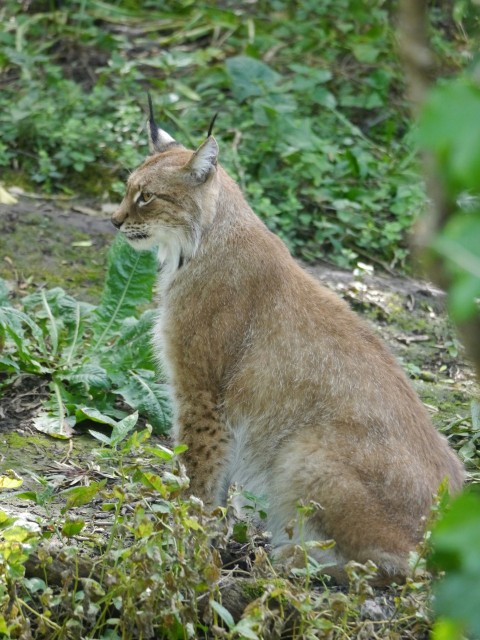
[61, 409]
[54, 330]
[118, 307]
[75, 335]
[44, 619]
[419, 66]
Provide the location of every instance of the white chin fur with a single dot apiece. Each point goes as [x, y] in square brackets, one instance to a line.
[172, 243]
[141, 244]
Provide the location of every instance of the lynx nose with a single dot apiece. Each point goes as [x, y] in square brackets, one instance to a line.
[118, 217]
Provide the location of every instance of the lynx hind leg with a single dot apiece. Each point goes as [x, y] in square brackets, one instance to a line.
[349, 512]
[288, 556]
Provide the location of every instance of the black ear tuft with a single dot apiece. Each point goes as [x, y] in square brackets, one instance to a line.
[212, 122]
[158, 139]
[152, 125]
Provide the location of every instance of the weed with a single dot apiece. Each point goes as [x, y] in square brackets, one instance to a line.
[56, 337]
[151, 568]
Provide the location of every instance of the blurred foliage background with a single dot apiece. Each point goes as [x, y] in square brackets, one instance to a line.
[313, 120]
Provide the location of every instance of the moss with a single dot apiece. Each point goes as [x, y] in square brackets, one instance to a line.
[95, 181]
[19, 179]
[22, 451]
[14, 439]
[252, 590]
[448, 402]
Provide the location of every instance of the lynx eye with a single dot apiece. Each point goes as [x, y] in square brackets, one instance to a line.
[144, 197]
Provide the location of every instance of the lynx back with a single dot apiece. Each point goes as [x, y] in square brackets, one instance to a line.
[277, 385]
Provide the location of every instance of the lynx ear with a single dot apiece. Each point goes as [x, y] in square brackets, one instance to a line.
[203, 161]
[158, 140]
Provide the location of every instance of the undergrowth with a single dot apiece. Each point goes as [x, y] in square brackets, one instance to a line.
[150, 570]
[312, 121]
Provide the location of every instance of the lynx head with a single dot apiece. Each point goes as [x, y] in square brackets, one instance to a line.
[171, 196]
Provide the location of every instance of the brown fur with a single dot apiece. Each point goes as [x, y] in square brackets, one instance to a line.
[277, 385]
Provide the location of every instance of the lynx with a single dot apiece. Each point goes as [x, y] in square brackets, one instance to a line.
[277, 385]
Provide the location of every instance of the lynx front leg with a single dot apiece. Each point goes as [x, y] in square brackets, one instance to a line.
[199, 426]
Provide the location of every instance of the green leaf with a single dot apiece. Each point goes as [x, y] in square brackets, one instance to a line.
[133, 347]
[475, 413]
[57, 307]
[456, 550]
[366, 51]
[10, 480]
[192, 523]
[14, 322]
[35, 584]
[129, 283]
[4, 626]
[160, 452]
[243, 629]
[98, 435]
[90, 413]
[250, 77]
[8, 363]
[224, 614]
[4, 292]
[151, 480]
[72, 527]
[121, 429]
[79, 496]
[89, 375]
[459, 244]
[462, 297]
[141, 391]
[53, 328]
[77, 327]
[447, 630]
[180, 448]
[28, 495]
[450, 127]
[55, 422]
[240, 532]
[17, 533]
[5, 520]
[55, 426]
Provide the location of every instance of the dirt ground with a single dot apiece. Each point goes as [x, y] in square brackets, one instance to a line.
[54, 243]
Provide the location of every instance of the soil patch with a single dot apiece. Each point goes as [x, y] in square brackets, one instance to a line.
[46, 243]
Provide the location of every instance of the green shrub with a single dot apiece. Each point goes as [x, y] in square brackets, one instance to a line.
[312, 120]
